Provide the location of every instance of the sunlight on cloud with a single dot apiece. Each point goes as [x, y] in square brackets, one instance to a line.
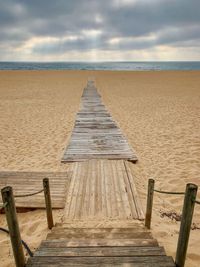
[152, 54]
[119, 3]
[125, 3]
[118, 40]
[91, 33]
[98, 18]
[45, 43]
[33, 29]
[46, 40]
[114, 41]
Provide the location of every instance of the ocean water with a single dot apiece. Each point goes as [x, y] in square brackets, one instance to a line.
[128, 66]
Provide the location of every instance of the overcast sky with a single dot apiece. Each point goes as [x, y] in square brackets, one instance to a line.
[99, 30]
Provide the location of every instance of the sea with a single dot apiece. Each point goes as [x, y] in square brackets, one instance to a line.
[127, 66]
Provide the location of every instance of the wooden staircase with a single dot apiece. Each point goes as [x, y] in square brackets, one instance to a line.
[132, 246]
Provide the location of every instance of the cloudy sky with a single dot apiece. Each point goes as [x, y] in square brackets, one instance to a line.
[99, 30]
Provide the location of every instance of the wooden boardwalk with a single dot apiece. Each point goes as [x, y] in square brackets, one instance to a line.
[102, 189]
[88, 246]
[96, 134]
[30, 182]
[102, 224]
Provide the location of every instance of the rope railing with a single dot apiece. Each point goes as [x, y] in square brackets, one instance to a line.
[11, 215]
[197, 202]
[169, 192]
[31, 194]
[23, 242]
[187, 215]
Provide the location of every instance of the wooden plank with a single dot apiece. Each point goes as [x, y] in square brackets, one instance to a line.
[149, 261]
[100, 252]
[135, 196]
[104, 223]
[107, 230]
[100, 242]
[134, 235]
[98, 189]
[30, 182]
[95, 133]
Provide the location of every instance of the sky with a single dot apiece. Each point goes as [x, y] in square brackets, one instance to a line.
[99, 30]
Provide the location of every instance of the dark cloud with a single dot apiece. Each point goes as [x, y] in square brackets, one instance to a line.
[141, 25]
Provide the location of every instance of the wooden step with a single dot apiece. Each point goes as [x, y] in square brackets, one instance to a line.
[149, 261]
[100, 224]
[107, 230]
[99, 242]
[93, 235]
[99, 251]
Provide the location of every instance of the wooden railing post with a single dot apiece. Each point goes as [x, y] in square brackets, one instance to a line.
[149, 203]
[186, 221]
[48, 202]
[13, 226]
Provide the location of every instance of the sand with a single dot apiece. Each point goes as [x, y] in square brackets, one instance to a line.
[159, 112]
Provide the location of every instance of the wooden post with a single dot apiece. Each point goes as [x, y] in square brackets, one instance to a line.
[13, 226]
[48, 202]
[186, 221]
[149, 203]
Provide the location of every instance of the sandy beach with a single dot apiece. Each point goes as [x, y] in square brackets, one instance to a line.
[158, 112]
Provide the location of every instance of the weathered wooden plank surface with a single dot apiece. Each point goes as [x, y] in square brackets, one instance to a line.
[104, 223]
[30, 182]
[101, 195]
[100, 251]
[95, 133]
[138, 242]
[149, 261]
[115, 235]
[101, 247]
[102, 189]
[104, 233]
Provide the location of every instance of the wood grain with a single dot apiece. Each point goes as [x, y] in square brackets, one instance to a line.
[95, 133]
[30, 182]
[102, 189]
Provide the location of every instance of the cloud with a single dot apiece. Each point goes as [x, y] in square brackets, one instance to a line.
[45, 30]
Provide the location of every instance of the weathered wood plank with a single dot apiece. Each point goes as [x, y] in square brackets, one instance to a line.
[100, 252]
[133, 192]
[30, 182]
[134, 235]
[100, 242]
[95, 133]
[151, 261]
[87, 231]
[100, 189]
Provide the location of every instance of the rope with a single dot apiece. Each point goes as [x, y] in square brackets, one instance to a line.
[197, 202]
[4, 205]
[31, 194]
[168, 192]
[23, 243]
